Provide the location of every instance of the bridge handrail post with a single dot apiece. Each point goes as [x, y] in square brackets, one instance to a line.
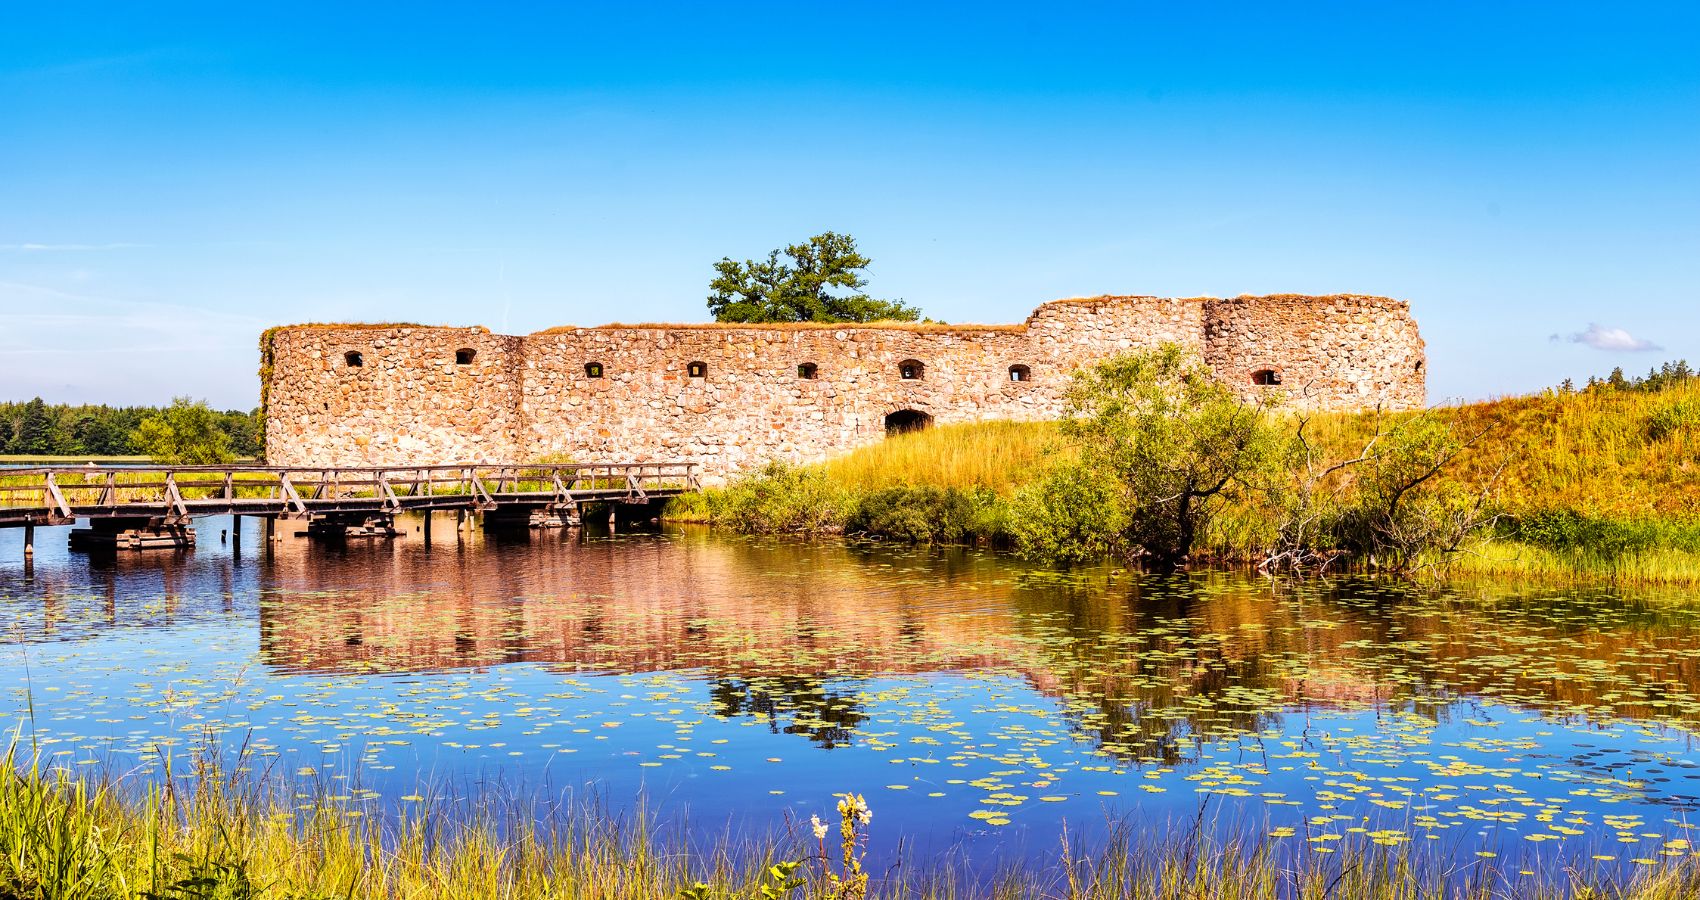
[291, 497]
[174, 497]
[51, 489]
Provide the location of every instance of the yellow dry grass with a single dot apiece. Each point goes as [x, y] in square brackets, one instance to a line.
[1000, 456]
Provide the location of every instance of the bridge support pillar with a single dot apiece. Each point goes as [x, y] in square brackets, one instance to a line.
[343, 527]
[152, 533]
[29, 540]
[509, 518]
[427, 528]
[235, 530]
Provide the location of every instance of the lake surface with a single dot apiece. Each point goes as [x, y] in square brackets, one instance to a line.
[979, 703]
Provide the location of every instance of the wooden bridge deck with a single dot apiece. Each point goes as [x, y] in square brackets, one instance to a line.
[174, 494]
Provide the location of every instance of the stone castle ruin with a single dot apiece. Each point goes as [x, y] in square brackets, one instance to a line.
[733, 397]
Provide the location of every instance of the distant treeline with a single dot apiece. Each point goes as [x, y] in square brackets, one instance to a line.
[1670, 375]
[35, 428]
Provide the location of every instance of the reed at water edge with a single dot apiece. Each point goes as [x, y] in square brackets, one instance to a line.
[218, 832]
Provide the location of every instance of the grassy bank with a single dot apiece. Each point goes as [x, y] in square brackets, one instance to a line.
[209, 835]
[1587, 484]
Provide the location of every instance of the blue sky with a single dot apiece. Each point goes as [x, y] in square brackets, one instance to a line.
[176, 177]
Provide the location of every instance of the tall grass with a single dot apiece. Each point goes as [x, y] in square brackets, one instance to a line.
[997, 456]
[215, 833]
[1625, 463]
[1620, 454]
[223, 834]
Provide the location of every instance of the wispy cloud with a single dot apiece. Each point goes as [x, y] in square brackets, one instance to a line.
[97, 64]
[62, 248]
[1600, 337]
[79, 346]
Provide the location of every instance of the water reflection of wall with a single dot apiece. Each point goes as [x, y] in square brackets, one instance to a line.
[630, 605]
[1224, 648]
[776, 625]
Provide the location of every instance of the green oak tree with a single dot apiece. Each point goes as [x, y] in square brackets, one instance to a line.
[819, 280]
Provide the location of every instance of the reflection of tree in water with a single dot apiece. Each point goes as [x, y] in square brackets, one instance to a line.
[1156, 679]
[1143, 666]
[826, 717]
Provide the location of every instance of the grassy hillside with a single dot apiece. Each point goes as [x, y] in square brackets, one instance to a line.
[1599, 482]
[1603, 453]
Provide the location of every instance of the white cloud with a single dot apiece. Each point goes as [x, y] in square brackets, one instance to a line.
[77, 347]
[1612, 339]
[61, 248]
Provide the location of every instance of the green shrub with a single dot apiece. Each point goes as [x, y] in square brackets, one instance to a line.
[920, 515]
[1074, 514]
[1609, 540]
[1675, 417]
[780, 499]
[693, 507]
[1179, 442]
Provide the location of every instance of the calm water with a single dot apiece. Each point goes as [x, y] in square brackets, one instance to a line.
[979, 703]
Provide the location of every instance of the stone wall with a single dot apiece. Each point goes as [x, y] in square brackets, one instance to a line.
[628, 393]
[408, 400]
[1330, 352]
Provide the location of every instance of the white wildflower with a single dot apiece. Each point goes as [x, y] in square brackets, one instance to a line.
[853, 806]
[820, 828]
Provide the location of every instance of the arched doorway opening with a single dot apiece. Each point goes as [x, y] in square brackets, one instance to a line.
[906, 420]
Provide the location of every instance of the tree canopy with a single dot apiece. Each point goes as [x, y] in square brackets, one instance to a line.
[819, 280]
[1161, 443]
[186, 432]
[37, 428]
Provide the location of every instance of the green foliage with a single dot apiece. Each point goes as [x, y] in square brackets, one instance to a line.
[1606, 539]
[208, 880]
[1176, 440]
[35, 431]
[922, 514]
[1675, 417]
[780, 499]
[1073, 515]
[777, 881]
[35, 428]
[187, 433]
[1674, 374]
[1397, 509]
[803, 289]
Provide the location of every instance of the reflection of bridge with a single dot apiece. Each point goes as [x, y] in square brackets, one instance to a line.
[152, 506]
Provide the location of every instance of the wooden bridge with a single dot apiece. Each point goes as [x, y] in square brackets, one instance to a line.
[148, 506]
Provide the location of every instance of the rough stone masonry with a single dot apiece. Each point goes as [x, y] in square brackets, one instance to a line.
[733, 397]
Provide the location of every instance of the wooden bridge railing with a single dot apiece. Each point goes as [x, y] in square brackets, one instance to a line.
[56, 494]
